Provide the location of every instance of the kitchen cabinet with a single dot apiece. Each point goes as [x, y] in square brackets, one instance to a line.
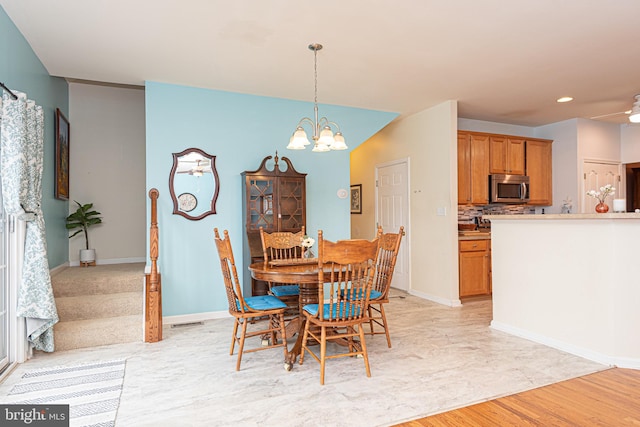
[538, 168]
[274, 200]
[481, 154]
[474, 267]
[507, 155]
[473, 168]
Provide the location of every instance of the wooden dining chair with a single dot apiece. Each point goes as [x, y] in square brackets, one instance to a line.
[283, 246]
[347, 269]
[387, 254]
[265, 311]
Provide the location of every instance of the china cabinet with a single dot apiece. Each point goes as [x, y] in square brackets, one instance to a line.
[275, 200]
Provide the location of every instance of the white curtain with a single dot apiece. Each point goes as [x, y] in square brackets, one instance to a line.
[22, 163]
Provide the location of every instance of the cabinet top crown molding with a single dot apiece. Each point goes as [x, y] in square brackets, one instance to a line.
[291, 171]
[526, 138]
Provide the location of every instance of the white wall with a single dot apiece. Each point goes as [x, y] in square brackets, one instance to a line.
[598, 140]
[429, 140]
[565, 165]
[630, 143]
[493, 127]
[107, 167]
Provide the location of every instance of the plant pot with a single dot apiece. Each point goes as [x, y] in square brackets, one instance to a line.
[87, 255]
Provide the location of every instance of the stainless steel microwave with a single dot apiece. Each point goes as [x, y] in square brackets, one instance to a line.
[508, 189]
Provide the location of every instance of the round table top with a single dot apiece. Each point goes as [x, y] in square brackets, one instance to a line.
[290, 273]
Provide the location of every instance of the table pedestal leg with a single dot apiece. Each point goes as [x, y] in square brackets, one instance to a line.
[308, 295]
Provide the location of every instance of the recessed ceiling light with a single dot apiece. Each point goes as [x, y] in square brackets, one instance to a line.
[564, 99]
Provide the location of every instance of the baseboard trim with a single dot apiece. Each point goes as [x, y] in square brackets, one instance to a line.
[195, 317]
[439, 300]
[111, 261]
[59, 268]
[621, 362]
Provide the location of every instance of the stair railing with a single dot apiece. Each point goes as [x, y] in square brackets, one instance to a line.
[153, 288]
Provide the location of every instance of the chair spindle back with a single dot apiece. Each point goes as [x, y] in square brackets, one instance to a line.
[388, 247]
[229, 273]
[347, 267]
[281, 245]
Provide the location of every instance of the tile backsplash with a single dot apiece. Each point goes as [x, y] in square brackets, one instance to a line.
[467, 213]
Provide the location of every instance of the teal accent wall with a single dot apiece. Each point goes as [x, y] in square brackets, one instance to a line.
[240, 130]
[20, 69]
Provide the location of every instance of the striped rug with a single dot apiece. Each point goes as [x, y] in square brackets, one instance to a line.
[92, 391]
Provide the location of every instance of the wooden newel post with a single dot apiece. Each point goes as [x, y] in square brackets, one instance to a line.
[153, 288]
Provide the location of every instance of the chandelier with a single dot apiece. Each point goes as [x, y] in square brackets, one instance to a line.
[323, 136]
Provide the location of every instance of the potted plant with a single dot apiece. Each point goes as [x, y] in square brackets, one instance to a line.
[83, 218]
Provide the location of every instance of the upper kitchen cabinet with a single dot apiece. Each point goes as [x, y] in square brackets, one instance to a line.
[507, 155]
[473, 168]
[539, 171]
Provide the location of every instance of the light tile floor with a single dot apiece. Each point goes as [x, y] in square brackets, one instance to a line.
[442, 358]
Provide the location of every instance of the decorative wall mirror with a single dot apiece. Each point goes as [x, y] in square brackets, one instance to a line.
[194, 184]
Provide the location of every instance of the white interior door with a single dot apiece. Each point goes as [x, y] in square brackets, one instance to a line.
[596, 175]
[392, 211]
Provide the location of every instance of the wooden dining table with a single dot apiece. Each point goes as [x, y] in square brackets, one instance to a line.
[303, 273]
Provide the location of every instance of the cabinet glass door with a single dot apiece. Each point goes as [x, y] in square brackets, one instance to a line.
[260, 204]
[292, 204]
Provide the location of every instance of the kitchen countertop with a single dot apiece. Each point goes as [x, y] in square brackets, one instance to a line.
[622, 215]
[474, 235]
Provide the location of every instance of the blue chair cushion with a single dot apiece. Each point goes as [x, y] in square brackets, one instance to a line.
[285, 290]
[373, 295]
[312, 309]
[263, 302]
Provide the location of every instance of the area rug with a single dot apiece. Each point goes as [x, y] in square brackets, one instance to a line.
[92, 391]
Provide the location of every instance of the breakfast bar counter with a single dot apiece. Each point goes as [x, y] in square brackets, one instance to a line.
[570, 281]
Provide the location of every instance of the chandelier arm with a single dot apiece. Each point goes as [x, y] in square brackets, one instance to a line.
[314, 126]
[305, 120]
[328, 122]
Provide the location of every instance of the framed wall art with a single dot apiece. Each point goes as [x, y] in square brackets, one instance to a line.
[62, 156]
[356, 199]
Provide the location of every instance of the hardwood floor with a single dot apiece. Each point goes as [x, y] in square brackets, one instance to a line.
[606, 398]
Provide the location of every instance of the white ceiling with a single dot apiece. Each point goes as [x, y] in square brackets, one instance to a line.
[503, 60]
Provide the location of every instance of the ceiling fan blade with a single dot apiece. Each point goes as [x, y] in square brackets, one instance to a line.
[608, 115]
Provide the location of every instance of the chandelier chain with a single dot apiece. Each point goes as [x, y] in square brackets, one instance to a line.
[315, 75]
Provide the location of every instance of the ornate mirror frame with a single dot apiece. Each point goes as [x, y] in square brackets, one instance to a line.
[186, 201]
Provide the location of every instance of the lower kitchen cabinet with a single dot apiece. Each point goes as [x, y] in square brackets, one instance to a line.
[475, 267]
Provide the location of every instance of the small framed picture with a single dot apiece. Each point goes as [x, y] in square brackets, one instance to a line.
[62, 156]
[356, 199]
